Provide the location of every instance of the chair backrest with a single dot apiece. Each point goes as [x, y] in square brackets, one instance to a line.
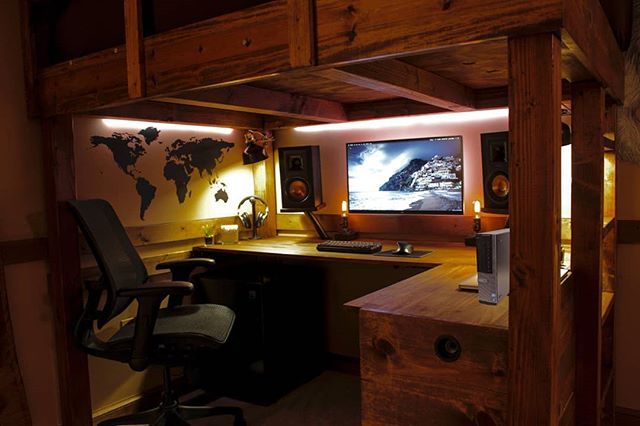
[117, 259]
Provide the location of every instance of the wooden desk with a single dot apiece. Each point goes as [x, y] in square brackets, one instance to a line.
[403, 380]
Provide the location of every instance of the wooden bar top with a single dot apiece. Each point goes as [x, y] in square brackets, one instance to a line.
[430, 294]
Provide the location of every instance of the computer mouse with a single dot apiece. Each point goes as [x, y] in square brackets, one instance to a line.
[404, 248]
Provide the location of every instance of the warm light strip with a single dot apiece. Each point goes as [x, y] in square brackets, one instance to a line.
[415, 120]
[131, 124]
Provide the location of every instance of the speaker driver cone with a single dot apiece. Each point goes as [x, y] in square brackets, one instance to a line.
[500, 186]
[297, 190]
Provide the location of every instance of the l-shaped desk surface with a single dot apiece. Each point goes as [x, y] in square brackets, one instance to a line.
[430, 294]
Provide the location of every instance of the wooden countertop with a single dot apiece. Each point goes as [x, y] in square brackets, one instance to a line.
[433, 293]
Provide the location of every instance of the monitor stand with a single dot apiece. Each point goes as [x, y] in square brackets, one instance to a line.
[317, 225]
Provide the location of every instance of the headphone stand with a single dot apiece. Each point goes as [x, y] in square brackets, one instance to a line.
[254, 227]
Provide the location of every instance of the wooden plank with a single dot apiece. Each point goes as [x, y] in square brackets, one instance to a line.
[14, 409]
[534, 170]
[174, 231]
[29, 58]
[628, 231]
[301, 33]
[388, 108]
[64, 259]
[133, 33]
[23, 251]
[404, 80]
[567, 356]
[264, 101]
[405, 383]
[264, 184]
[239, 46]
[620, 16]
[587, 189]
[437, 228]
[588, 36]
[374, 29]
[188, 114]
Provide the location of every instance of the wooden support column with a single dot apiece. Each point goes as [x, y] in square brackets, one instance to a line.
[586, 244]
[64, 262]
[534, 170]
[136, 77]
[302, 37]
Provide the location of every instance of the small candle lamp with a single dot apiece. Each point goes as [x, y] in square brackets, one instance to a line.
[477, 225]
[476, 216]
[345, 233]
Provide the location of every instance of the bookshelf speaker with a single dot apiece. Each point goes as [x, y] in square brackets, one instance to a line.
[300, 178]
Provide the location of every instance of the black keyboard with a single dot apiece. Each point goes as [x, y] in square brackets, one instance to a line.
[366, 247]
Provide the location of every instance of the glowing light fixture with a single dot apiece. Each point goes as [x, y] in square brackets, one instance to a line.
[132, 124]
[415, 120]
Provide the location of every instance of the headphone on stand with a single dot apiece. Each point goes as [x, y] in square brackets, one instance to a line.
[259, 218]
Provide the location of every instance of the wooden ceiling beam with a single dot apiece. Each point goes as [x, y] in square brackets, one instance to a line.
[245, 98]
[388, 108]
[404, 80]
[135, 48]
[174, 113]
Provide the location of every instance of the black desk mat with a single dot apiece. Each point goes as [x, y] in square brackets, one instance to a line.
[392, 253]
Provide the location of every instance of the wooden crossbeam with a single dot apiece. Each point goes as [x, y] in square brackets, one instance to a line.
[586, 244]
[264, 101]
[404, 80]
[136, 79]
[388, 108]
[171, 112]
[587, 35]
[534, 171]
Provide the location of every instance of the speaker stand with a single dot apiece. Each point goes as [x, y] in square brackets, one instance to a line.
[317, 225]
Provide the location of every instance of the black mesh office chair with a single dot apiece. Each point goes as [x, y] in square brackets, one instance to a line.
[174, 336]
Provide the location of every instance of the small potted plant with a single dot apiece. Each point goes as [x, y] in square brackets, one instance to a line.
[208, 233]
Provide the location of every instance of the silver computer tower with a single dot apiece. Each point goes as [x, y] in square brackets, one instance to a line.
[493, 265]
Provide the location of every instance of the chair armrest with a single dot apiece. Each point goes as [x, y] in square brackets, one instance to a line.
[161, 288]
[186, 264]
[149, 297]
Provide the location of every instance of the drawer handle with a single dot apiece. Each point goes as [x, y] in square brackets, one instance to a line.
[447, 348]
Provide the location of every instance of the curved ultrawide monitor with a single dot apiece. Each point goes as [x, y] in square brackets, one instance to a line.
[422, 175]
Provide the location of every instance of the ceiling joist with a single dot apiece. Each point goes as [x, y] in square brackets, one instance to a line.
[245, 98]
[400, 79]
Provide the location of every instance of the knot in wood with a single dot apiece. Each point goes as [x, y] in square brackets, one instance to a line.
[383, 346]
[446, 4]
[351, 35]
[246, 42]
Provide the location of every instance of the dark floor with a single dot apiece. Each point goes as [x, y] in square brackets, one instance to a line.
[331, 399]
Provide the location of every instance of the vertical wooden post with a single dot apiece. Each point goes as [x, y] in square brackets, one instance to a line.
[64, 261]
[302, 51]
[586, 244]
[136, 77]
[534, 171]
[264, 181]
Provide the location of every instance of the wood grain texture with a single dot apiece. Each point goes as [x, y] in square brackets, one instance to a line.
[435, 228]
[587, 196]
[534, 171]
[587, 34]
[405, 383]
[133, 31]
[64, 260]
[367, 29]
[305, 248]
[188, 114]
[29, 59]
[242, 45]
[246, 98]
[302, 36]
[388, 108]
[14, 409]
[397, 78]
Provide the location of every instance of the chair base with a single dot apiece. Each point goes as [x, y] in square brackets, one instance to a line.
[171, 413]
[176, 415]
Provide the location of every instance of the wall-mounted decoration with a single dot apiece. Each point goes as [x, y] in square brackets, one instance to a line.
[160, 174]
[255, 149]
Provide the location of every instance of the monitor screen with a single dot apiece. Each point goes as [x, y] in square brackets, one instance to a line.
[406, 176]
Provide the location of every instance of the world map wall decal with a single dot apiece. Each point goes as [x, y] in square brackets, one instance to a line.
[182, 158]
